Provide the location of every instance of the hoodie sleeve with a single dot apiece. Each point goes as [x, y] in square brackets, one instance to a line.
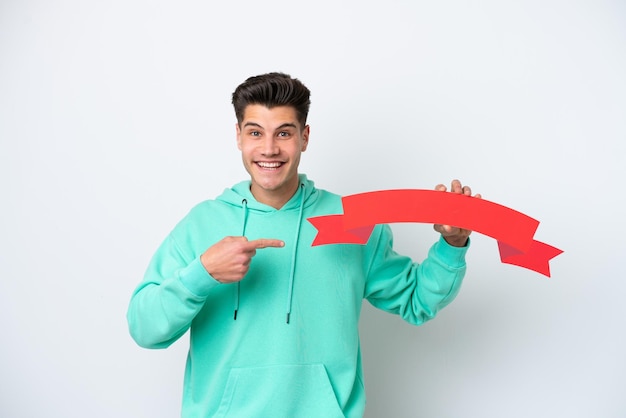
[415, 291]
[171, 294]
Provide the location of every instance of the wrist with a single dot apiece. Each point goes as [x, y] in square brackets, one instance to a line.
[456, 241]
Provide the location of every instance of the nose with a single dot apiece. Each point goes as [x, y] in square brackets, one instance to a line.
[269, 146]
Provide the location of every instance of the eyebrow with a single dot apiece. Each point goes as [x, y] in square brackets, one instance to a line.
[283, 126]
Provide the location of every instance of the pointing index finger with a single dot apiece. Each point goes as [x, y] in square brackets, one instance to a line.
[266, 242]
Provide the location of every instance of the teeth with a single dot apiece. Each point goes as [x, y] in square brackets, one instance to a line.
[269, 165]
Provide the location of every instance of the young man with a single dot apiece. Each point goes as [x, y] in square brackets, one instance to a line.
[273, 320]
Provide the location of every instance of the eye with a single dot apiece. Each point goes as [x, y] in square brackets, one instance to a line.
[254, 133]
[284, 134]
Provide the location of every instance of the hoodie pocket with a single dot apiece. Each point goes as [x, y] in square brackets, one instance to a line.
[284, 391]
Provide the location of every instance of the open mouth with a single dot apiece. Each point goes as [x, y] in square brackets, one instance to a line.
[274, 165]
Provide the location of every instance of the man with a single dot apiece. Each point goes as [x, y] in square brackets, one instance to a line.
[273, 320]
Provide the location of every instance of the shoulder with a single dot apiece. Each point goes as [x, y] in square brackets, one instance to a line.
[323, 201]
[202, 209]
[207, 212]
[326, 195]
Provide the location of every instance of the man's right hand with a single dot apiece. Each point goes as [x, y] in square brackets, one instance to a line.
[228, 260]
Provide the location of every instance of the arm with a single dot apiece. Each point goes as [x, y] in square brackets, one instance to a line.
[418, 291]
[171, 294]
[176, 286]
[415, 291]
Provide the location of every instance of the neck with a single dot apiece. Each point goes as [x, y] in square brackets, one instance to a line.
[276, 199]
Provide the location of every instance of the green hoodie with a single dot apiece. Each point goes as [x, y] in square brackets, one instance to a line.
[284, 341]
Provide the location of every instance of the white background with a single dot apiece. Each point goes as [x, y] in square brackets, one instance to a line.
[115, 119]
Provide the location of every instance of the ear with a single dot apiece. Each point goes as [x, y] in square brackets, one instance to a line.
[238, 130]
[305, 137]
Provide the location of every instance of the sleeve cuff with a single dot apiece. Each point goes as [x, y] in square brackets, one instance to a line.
[196, 279]
[449, 254]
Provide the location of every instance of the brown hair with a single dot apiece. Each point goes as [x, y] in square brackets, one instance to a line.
[270, 90]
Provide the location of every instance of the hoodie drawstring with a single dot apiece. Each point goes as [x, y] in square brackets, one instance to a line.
[244, 221]
[294, 253]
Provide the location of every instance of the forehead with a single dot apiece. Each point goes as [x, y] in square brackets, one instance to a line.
[268, 117]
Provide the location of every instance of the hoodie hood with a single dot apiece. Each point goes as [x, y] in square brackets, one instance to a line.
[241, 191]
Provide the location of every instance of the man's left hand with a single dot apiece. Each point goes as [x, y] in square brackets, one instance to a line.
[455, 236]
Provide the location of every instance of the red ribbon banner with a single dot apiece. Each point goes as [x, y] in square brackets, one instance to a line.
[513, 230]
